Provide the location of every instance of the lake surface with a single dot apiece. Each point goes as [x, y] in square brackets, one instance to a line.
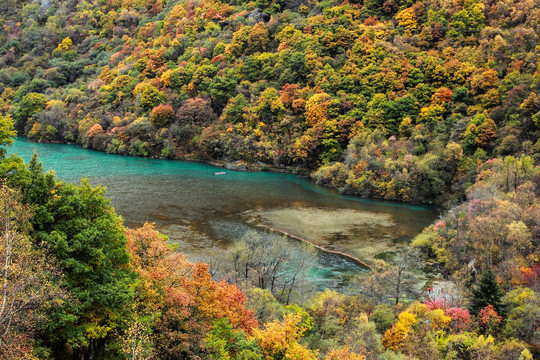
[204, 213]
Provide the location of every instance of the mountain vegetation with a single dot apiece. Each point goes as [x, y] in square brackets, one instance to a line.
[394, 99]
[426, 101]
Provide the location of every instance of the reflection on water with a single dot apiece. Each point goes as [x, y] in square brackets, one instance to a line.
[203, 212]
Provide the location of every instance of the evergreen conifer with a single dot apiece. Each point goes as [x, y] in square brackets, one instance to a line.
[487, 292]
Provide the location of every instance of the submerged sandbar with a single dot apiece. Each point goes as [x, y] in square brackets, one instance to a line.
[362, 235]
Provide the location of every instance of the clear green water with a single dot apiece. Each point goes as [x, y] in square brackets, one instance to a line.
[204, 212]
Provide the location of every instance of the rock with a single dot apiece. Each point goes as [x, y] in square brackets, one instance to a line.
[236, 166]
[258, 15]
[292, 4]
[45, 4]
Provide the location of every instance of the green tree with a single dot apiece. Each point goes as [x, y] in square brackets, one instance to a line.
[251, 68]
[29, 105]
[84, 235]
[383, 318]
[469, 20]
[224, 343]
[150, 97]
[269, 107]
[236, 110]
[223, 86]
[487, 292]
[523, 315]
[298, 65]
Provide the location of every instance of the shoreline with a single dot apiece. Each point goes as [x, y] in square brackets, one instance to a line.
[241, 165]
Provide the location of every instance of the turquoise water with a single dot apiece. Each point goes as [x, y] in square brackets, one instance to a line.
[204, 212]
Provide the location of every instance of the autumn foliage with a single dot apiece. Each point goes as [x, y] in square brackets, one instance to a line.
[162, 115]
[284, 84]
[184, 295]
[279, 339]
[414, 101]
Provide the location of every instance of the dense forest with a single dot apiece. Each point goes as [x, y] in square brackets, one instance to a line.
[426, 101]
[395, 99]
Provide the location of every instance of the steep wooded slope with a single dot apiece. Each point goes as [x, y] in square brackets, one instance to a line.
[421, 92]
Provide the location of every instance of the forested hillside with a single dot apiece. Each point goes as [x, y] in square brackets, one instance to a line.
[408, 97]
[426, 101]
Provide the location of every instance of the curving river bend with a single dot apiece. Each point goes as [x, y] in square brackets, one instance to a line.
[204, 213]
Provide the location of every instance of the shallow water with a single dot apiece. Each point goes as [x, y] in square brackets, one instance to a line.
[204, 212]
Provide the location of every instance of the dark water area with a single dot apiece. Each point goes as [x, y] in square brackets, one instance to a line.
[204, 212]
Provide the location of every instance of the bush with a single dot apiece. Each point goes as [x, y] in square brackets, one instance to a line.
[162, 115]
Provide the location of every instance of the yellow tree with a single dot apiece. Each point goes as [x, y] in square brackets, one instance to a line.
[258, 38]
[280, 339]
[343, 354]
[393, 338]
[317, 108]
[407, 18]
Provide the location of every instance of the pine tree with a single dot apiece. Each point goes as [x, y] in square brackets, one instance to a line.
[487, 292]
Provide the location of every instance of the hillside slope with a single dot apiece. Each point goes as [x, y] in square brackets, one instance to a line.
[408, 96]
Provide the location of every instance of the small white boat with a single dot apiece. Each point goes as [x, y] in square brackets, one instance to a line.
[220, 173]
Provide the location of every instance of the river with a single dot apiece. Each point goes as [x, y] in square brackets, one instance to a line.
[204, 213]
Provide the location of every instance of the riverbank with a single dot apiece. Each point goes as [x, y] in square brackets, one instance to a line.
[204, 213]
[241, 165]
